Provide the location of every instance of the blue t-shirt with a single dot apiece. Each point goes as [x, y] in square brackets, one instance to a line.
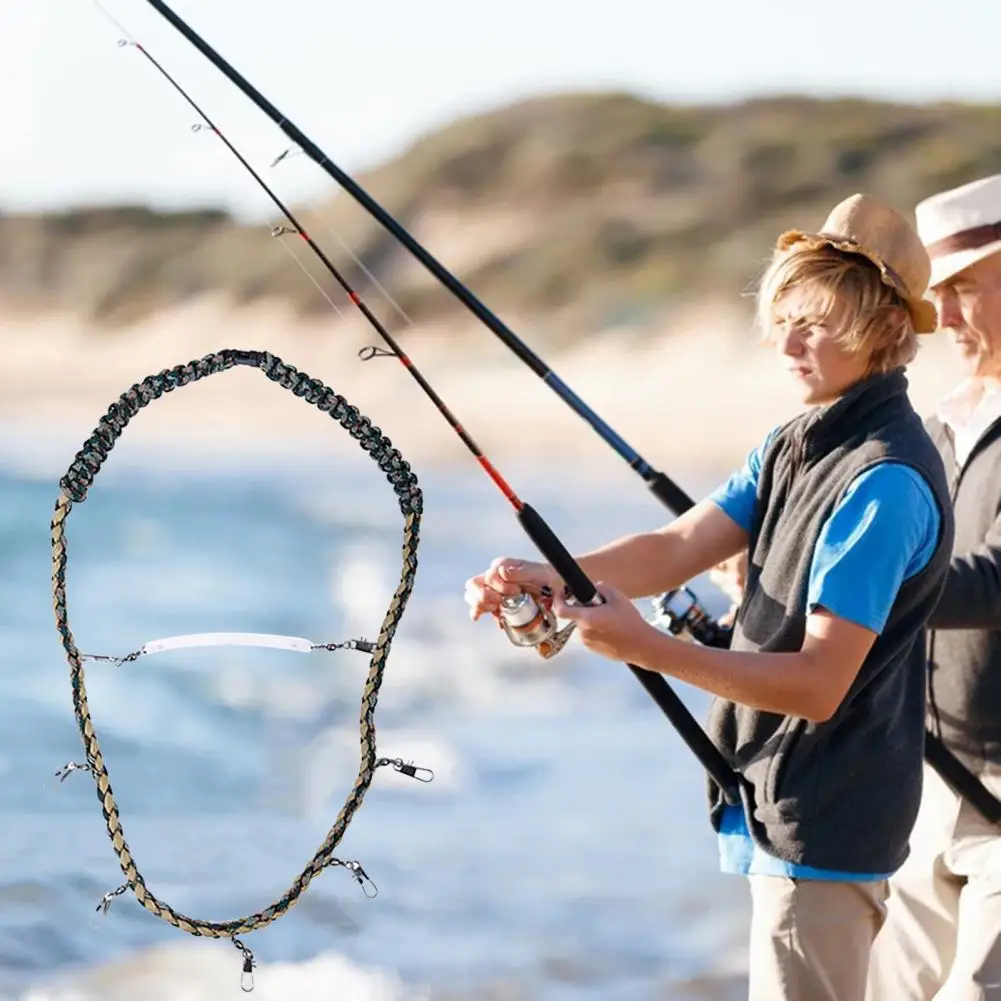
[882, 531]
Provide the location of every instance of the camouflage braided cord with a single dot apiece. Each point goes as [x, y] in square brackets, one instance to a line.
[74, 486]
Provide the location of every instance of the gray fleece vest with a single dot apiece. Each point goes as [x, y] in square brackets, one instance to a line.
[964, 648]
[842, 794]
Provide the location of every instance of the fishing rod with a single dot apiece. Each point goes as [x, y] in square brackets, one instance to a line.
[581, 588]
[661, 486]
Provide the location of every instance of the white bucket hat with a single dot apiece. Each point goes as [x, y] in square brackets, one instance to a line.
[961, 226]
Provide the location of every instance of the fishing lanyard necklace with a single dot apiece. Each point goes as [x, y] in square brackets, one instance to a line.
[74, 487]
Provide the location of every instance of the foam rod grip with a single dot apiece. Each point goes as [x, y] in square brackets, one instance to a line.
[556, 554]
[670, 494]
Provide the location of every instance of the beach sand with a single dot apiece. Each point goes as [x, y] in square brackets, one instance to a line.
[698, 394]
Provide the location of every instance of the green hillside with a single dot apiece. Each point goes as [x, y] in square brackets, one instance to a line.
[601, 204]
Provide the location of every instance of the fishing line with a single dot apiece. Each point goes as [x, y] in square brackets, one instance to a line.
[299, 230]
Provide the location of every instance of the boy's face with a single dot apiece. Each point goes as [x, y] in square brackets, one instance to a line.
[807, 331]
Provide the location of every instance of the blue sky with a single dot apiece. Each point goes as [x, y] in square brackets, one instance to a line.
[85, 120]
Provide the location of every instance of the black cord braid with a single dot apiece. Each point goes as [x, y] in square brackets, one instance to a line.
[74, 486]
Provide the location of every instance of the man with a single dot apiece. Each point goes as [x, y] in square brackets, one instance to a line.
[942, 938]
[845, 511]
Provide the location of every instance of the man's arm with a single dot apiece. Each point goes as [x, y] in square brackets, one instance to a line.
[972, 595]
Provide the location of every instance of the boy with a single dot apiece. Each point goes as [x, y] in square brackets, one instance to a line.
[820, 700]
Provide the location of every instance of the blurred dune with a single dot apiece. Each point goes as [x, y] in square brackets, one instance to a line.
[619, 237]
[699, 394]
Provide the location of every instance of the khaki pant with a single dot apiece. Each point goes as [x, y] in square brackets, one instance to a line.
[810, 939]
[942, 936]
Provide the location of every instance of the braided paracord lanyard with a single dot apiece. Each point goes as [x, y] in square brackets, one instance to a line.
[74, 486]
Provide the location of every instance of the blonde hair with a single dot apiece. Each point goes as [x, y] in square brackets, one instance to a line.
[875, 320]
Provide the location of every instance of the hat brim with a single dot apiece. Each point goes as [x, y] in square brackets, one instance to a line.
[949, 265]
[924, 315]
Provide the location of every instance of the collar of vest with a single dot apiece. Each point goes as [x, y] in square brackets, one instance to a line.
[862, 407]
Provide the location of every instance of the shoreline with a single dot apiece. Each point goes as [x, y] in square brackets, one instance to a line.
[719, 393]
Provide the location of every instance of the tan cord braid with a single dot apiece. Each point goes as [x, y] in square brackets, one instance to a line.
[74, 486]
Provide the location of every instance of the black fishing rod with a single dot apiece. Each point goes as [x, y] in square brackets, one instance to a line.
[546, 541]
[663, 487]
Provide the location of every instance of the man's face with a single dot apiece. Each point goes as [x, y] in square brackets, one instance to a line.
[969, 308]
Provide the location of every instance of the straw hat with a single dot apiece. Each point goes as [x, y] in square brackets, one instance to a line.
[862, 225]
[961, 226]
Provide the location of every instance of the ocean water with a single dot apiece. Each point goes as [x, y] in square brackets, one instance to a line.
[561, 852]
